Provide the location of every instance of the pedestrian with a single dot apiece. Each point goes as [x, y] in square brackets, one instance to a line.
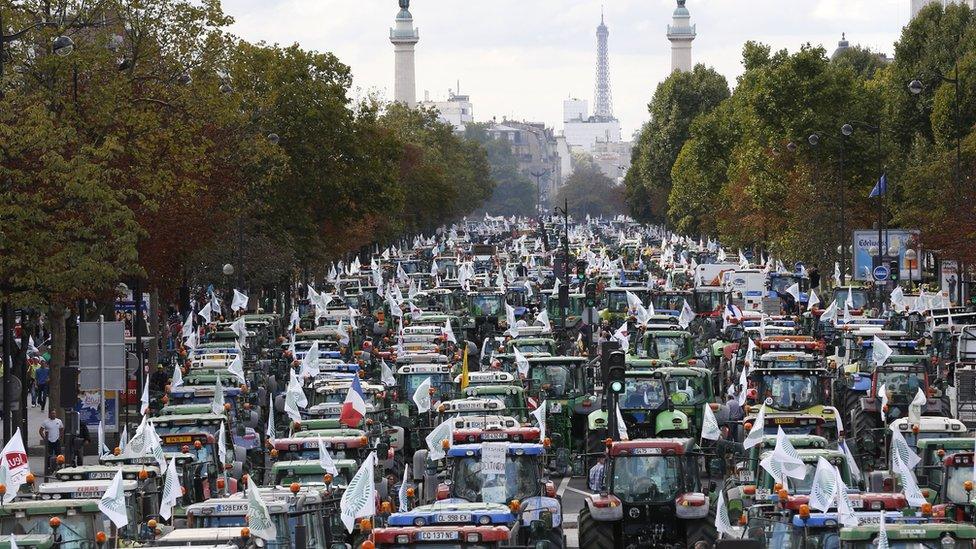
[814, 275]
[51, 430]
[32, 380]
[596, 475]
[727, 449]
[736, 414]
[43, 377]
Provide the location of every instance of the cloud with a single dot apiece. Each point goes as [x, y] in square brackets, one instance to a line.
[521, 58]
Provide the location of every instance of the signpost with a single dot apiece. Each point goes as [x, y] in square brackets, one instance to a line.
[101, 361]
[881, 273]
[897, 239]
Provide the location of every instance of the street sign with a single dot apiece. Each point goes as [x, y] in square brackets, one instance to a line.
[881, 273]
[101, 364]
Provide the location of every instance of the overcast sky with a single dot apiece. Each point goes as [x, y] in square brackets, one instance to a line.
[520, 58]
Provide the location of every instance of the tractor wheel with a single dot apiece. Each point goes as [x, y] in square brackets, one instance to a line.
[593, 534]
[701, 530]
[864, 425]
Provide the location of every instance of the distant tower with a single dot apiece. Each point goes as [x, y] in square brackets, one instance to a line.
[404, 37]
[603, 102]
[681, 35]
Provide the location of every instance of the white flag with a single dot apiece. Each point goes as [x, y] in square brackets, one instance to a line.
[402, 493]
[909, 485]
[813, 300]
[521, 362]
[236, 367]
[13, 542]
[710, 428]
[113, 502]
[188, 325]
[794, 290]
[687, 315]
[421, 396]
[205, 313]
[621, 425]
[16, 465]
[102, 448]
[240, 301]
[359, 499]
[897, 299]
[915, 408]
[310, 363]
[124, 439]
[295, 398]
[880, 351]
[144, 401]
[386, 375]
[294, 321]
[882, 541]
[837, 280]
[883, 394]
[172, 491]
[510, 319]
[239, 327]
[543, 318]
[222, 443]
[830, 313]
[755, 435]
[444, 431]
[325, 459]
[217, 406]
[621, 337]
[900, 446]
[823, 491]
[540, 416]
[177, 377]
[270, 429]
[722, 523]
[845, 510]
[787, 458]
[259, 520]
[448, 331]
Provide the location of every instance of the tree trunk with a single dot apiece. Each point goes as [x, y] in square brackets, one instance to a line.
[153, 346]
[56, 319]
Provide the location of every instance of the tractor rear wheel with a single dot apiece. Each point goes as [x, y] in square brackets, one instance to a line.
[701, 530]
[594, 534]
[864, 423]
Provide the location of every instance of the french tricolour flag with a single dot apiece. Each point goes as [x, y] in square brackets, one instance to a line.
[354, 407]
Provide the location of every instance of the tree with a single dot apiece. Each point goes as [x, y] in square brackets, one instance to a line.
[590, 192]
[514, 194]
[676, 102]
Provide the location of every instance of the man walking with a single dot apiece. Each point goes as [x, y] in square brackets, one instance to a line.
[596, 475]
[42, 377]
[51, 430]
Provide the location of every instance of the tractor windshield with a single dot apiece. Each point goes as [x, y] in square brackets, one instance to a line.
[791, 392]
[955, 491]
[553, 381]
[688, 389]
[617, 302]
[901, 386]
[409, 382]
[858, 296]
[521, 480]
[709, 301]
[646, 479]
[669, 302]
[643, 393]
[668, 347]
[536, 347]
[75, 531]
[486, 305]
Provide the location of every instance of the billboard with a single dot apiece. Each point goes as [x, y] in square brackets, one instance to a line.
[895, 238]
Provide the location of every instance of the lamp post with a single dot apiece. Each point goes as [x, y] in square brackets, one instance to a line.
[915, 87]
[538, 175]
[848, 130]
[62, 45]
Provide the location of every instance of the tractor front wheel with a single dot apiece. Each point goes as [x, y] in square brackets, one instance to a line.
[594, 534]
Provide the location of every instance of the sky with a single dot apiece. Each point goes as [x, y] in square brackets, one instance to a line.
[519, 59]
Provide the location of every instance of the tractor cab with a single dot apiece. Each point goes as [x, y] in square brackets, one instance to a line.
[796, 399]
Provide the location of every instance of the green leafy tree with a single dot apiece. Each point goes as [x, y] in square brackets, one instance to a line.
[513, 194]
[589, 192]
[676, 102]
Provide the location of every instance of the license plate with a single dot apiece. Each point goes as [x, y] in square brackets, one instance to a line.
[453, 517]
[785, 420]
[857, 504]
[494, 436]
[177, 439]
[437, 536]
[555, 407]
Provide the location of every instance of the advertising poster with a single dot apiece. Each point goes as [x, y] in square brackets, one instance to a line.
[949, 279]
[89, 410]
[899, 239]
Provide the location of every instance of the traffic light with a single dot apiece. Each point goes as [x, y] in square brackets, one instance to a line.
[564, 296]
[591, 294]
[894, 271]
[615, 374]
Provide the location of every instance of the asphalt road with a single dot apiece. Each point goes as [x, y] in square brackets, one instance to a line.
[573, 491]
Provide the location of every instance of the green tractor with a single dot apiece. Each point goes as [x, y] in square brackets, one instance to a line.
[562, 382]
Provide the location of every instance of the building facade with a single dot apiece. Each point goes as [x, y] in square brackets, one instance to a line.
[457, 111]
[535, 149]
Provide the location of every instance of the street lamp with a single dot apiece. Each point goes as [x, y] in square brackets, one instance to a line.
[273, 138]
[911, 256]
[228, 269]
[63, 46]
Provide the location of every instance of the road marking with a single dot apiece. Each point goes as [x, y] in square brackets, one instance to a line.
[563, 484]
[578, 491]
